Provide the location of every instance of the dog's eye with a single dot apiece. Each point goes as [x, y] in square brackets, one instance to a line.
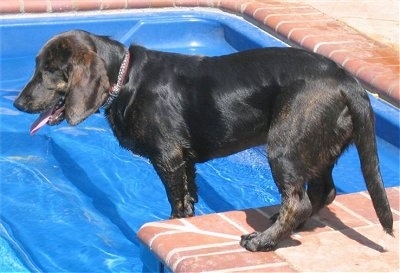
[54, 80]
[58, 74]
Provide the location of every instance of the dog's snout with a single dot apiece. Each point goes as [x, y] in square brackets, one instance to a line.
[17, 104]
[20, 104]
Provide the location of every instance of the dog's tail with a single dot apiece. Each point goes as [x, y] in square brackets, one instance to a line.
[364, 139]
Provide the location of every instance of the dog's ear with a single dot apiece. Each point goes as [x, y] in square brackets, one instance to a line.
[88, 86]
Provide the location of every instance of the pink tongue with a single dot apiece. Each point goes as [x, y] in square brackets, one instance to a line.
[41, 121]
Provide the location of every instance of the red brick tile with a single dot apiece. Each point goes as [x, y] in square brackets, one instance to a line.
[229, 5]
[372, 53]
[339, 218]
[209, 3]
[237, 6]
[113, 4]
[35, 6]
[361, 205]
[258, 220]
[186, 3]
[384, 79]
[150, 230]
[288, 28]
[393, 195]
[161, 3]
[361, 50]
[216, 257]
[393, 92]
[339, 55]
[61, 5]
[260, 14]
[386, 87]
[381, 55]
[369, 72]
[178, 253]
[211, 242]
[274, 20]
[326, 43]
[229, 261]
[297, 35]
[10, 6]
[277, 8]
[219, 223]
[353, 64]
[88, 5]
[133, 4]
[276, 267]
[263, 14]
[252, 7]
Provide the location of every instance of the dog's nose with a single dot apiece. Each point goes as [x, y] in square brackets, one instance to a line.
[19, 104]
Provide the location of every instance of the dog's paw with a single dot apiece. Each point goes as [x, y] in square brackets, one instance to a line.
[183, 211]
[256, 241]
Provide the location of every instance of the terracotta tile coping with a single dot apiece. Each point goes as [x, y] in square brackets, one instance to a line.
[345, 236]
[375, 64]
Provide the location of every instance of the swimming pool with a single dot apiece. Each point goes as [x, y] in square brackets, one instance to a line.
[72, 199]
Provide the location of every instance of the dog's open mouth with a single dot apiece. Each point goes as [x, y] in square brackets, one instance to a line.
[54, 115]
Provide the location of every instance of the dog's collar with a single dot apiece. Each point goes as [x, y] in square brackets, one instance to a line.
[116, 88]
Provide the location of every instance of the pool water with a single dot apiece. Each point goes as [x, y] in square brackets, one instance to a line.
[72, 199]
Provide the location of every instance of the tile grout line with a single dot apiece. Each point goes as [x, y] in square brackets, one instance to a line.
[160, 234]
[21, 6]
[392, 209]
[296, 21]
[176, 250]
[318, 45]
[186, 223]
[278, 25]
[273, 10]
[353, 213]
[178, 261]
[233, 223]
[185, 229]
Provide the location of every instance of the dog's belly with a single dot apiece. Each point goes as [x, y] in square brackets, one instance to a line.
[207, 150]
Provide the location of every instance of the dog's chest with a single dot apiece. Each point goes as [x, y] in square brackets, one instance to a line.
[130, 132]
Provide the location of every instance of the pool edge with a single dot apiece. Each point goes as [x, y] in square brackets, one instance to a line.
[349, 221]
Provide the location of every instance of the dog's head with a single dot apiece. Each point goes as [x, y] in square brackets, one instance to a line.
[70, 82]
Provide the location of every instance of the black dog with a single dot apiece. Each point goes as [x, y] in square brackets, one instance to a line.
[178, 110]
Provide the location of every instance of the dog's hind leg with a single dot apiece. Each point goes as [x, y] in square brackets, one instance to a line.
[296, 207]
[190, 182]
[321, 190]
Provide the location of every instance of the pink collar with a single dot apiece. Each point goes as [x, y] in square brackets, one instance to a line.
[116, 88]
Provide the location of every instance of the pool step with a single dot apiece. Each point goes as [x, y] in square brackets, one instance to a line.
[345, 236]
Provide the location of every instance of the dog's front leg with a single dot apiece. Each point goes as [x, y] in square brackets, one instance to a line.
[178, 179]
